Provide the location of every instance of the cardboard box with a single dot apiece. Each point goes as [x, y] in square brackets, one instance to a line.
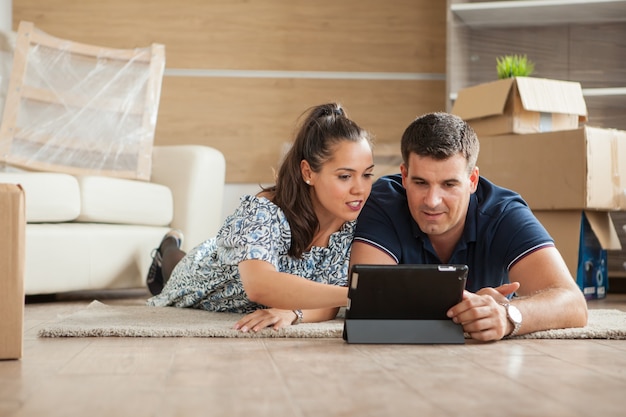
[592, 273]
[581, 169]
[617, 259]
[12, 246]
[583, 238]
[521, 105]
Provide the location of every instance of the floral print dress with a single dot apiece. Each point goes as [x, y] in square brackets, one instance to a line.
[208, 276]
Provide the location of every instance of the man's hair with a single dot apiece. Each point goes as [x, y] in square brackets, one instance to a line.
[440, 136]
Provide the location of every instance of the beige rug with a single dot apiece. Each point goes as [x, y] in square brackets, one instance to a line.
[98, 320]
[101, 320]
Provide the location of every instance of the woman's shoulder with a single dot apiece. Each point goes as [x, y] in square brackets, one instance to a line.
[255, 218]
[257, 202]
[260, 209]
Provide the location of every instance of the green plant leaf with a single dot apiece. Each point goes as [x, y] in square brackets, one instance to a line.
[508, 66]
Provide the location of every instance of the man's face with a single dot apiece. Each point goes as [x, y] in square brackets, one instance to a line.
[438, 193]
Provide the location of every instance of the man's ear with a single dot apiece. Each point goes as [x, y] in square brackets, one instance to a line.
[474, 177]
[404, 171]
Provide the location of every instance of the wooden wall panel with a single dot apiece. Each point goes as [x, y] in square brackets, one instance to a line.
[262, 113]
[404, 40]
[323, 35]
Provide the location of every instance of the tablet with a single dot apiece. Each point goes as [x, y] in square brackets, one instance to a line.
[417, 292]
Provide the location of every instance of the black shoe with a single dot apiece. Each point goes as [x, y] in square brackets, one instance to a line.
[154, 279]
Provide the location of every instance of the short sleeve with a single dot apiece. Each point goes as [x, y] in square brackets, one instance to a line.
[385, 221]
[258, 229]
[518, 233]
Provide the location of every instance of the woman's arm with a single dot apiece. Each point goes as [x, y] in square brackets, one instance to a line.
[276, 318]
[264, 285]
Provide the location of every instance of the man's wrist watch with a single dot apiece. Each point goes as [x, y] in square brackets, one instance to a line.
[299, 317]
[514, 316]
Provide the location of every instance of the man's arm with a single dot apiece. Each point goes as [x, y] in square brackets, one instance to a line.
[548, 298]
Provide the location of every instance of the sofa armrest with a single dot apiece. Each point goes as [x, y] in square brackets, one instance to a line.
[195, 174]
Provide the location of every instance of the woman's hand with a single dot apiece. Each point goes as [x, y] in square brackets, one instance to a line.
[262, 318]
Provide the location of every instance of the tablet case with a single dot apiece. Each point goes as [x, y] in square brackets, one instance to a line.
[404, 304]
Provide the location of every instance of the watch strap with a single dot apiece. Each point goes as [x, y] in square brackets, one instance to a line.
[517, 324]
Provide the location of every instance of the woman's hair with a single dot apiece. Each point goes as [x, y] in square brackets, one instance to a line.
[440, 136]
[322, 128]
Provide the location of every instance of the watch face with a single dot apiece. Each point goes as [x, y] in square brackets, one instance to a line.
[515, 314]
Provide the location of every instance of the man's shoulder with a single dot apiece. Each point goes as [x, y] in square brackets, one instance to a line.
[391, 180]
[387, 200]
[492, 196]
[388, 185]
[505, 213]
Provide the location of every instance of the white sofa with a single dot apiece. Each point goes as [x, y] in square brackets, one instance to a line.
[95, 232]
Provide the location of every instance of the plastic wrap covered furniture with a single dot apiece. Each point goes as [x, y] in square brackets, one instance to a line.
[81, 109]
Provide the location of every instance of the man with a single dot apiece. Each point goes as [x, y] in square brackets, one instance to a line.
[439, 210]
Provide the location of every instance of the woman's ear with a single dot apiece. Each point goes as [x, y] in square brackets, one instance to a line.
[306, 171]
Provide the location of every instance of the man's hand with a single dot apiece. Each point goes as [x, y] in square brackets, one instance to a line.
[262, 318]
[482, 315]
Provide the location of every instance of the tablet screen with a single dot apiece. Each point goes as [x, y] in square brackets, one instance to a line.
[404, 291]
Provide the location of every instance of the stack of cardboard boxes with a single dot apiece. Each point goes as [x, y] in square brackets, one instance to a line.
[571, 177]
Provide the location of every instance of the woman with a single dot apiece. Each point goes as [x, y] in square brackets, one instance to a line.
[283, 255]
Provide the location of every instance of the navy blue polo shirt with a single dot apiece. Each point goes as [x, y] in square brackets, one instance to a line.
[500, 229]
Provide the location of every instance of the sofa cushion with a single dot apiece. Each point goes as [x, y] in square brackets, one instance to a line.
[124, 201]
[87, 256]
[50, 197]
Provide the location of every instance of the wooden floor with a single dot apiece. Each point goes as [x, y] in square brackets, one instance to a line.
[311, 377]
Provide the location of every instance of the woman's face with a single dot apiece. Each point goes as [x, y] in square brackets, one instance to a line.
[341, 187]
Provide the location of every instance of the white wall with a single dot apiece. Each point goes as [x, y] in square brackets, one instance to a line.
[232, 194]
[6, 48]
[6, 15]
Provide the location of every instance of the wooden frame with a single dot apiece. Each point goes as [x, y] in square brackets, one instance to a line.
[81, 109]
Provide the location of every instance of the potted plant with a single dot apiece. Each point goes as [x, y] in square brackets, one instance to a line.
[509, 66]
